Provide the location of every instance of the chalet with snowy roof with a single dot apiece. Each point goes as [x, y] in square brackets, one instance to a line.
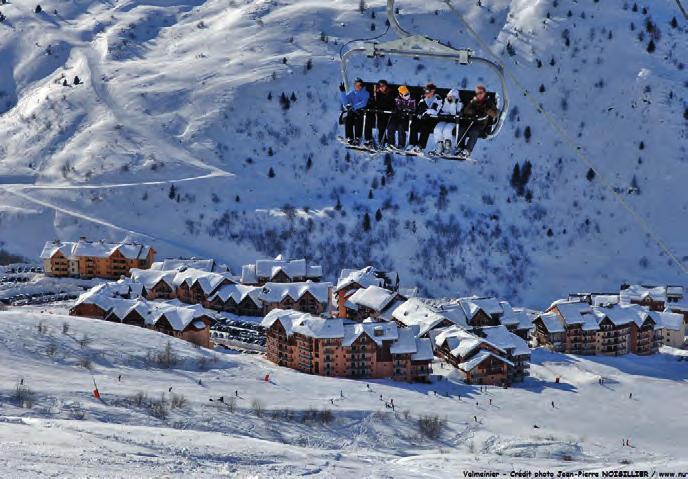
[515, 349]
[477, 359]
[373, 301]
[652, 297]
[577, 327]
[337, 347]
[190, 323]
[670, 328]
[239, 299]
[280, 270]
[95, 259]
[517, 320]
[351, 280]
[195, 286]
[307, 297]
[156, 284]
[97, 301]
[416, 313]
[207, 265]
[482, 311]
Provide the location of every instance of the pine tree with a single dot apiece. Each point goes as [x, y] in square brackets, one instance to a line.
[370, 194]
[309, 64]
[270, 96]
[641, 146]
[309, 163]
[525, 172]
[338, 206]
[173, 192]
[651, 47]
[38, 9]
[366, 222]
[542, 88]
[674, 23]
[516, 177]
[284, 101]
[590, 175]
[271, 173]
[389, 167]
[293, 96]
[378, 215]
[237, 199]
[362, 6]
[527, 134]
[77, 81]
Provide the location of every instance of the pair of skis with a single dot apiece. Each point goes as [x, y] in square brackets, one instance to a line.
[397, 151]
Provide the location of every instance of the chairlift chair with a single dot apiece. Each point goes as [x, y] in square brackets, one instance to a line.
[419, 46]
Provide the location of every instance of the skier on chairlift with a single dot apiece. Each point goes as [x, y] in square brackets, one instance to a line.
[427, 110]
[354, 103]
[483, 112]
[383, 100]
[444, 131]
[404, 106]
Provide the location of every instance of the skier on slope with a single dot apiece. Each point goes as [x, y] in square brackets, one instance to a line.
[444, 131]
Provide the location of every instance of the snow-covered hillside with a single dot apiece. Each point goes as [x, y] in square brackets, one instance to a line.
[61, 429]
[175, 123]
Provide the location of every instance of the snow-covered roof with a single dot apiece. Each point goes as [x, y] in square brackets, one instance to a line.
[268, 268]
[424, 350]
[637, 292]
[577, 313]
[368, 276]
[150, 278]
[406, 341]
[53, 247]
[103, 249]
[387, 313]
[208, 281]
[667, 320]
[603, 300]
[237, 292]
[373, 297]
[305, 324]
[476, 360]
[416, 312]
[459, 341]
[207, 265]
[518, 317]
[621, 315]
[473, 304]
[553, 322]
[276, 292]
[377, 331]
[503, 339]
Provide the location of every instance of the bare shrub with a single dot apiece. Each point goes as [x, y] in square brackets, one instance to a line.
[139, 399]
[407, 414]
[178, 401]
[24, 396]
[166, 358]
[51, 350]
[567, 458]
[626, 461]
[430, 426]
[202, 362]
[325, 416]
[85, 363]
[78, 412]
[258, 407]
[65, 328]
[471, 447]
[41, 328]
[85, 341]
[159, 408]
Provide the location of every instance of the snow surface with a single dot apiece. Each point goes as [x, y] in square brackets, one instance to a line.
[69, 433]
[175, 94]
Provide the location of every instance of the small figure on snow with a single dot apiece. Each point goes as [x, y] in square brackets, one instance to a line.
[552, 403]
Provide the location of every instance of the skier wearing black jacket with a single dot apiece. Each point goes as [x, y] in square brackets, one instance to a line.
[427, 110]
[383, 99]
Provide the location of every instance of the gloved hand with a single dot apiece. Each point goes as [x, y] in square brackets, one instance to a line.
[341, 87]
[347, 107]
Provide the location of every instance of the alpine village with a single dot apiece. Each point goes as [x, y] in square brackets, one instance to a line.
[364, 325]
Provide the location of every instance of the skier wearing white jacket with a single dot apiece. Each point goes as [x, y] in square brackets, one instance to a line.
[443, 132]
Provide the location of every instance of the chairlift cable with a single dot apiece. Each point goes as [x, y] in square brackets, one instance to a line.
[642, 223]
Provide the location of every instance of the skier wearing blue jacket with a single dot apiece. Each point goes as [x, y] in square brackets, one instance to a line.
[354, 103]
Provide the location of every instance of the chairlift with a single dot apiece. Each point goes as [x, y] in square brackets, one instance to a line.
[419, 46]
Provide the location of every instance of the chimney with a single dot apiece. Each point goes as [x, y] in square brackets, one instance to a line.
[82, 238]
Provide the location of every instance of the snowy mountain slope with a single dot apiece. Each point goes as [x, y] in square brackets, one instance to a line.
[67, 431]
[179, 90]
